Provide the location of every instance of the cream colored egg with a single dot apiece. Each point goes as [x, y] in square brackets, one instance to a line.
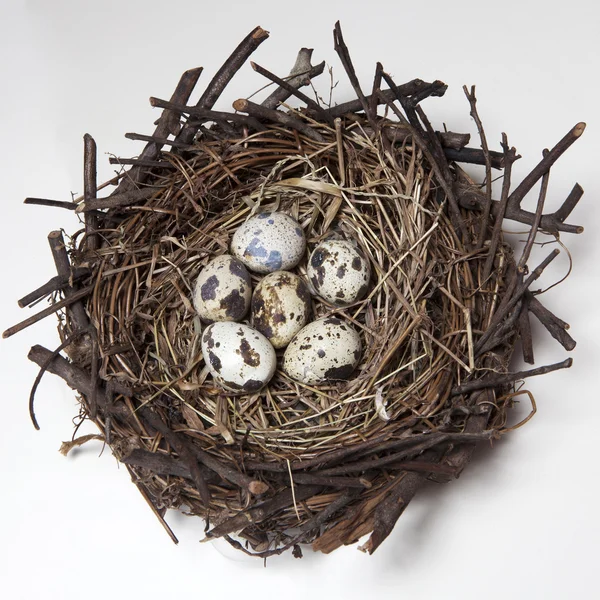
[223, 290]
[239, 358]
[280, 307]
[325, 350]
[268, 242]
[339, 272]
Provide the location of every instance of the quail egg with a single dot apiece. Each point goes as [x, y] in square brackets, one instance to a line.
[239, 358]
[223, 290]
[268, 242]
[328, 349]
[280, 307]
[339, 272]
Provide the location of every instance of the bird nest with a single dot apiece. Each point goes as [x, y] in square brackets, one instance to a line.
[293, 463]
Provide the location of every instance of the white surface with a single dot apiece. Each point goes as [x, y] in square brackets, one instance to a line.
[522, 522]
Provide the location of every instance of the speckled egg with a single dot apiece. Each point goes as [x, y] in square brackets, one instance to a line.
[325, 350]
[239, 358]
[339, 272]
[280, 307]
[223, 290]
[268, 242]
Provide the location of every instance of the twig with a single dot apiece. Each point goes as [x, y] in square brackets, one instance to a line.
[313, 523]
[277, 116]
[431, 441]
[300, 75]
[182, 447]
[166, 125]
[58, 282]
[45, 366]
[451, 140]
[525, 332]
[164, 141]
[522, 264]
[514, 298]
[205, 114]
[117, 200]
[391, 508]
[223, 76]
[515, 198]
[406, 89]
[310, 103]
[474, 156]
[510, 156]
[488, 165]
[144, 492]
[90, 190]
[69, 300]
[52, 203]
[342, 50]
[500, 380]
[140, 162]
[77, 379]
[555, 326]
[262, 511]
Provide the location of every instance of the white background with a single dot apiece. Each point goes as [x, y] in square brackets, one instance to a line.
[522, 521]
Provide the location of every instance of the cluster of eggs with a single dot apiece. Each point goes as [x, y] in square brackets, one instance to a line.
[243, 357]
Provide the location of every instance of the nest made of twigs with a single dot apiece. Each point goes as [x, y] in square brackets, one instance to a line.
[293, 463]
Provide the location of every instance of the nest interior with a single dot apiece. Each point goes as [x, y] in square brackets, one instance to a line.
[296, 464]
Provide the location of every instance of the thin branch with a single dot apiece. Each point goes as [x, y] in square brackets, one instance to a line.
[167, 124]
[488, 165]
[277, 116]
[90, 190]
[223, 76]
[50, 310]
[510, 156]
[501, 380]
[310, 103]
[522, 264]
[300, 75]
[55, 284]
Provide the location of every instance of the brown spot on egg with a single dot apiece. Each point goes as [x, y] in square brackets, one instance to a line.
[253, 385]
[357, 354]
[209, 287]
[232, 385]
[332, 321]
[318, 257]
[321, 353]
[320, 277]
[362, 292]
[302, 291]
[341, 271]
[208, 338]
[237, 268]
[336, 373]
[356, 263]
[215, 361]
[250, 356]
[234, 305]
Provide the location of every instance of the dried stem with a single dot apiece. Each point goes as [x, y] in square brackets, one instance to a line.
[55, 284]
[223, 76]
[488, 166]
[310, 103]
[277, 116]
[300, 75]
[501, 380]
[90, 190]
[167, 124]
